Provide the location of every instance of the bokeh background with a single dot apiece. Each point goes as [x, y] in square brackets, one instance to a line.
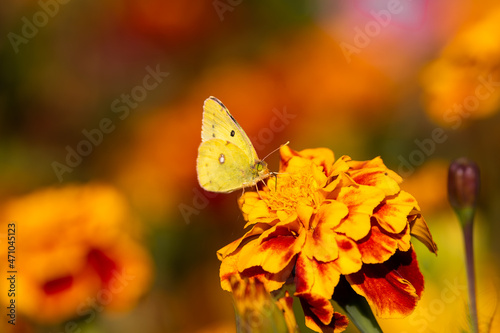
[100, 119]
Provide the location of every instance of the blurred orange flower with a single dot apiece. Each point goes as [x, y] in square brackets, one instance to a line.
[462, 84]
[74, 253]
[320, 219]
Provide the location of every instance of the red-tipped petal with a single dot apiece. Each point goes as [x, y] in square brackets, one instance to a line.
[391, 288]
[337, 323]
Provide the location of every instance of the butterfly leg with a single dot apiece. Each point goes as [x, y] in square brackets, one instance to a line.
[257, 188]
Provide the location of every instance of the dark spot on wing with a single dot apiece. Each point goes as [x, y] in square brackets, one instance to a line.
[213, 135]
[232, 133]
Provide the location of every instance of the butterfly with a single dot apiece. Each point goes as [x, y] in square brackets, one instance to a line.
[227, 160]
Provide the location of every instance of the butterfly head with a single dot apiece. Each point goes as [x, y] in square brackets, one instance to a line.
[260, 168]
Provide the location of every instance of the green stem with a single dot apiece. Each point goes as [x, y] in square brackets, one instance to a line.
[471, 276]
[356, 308]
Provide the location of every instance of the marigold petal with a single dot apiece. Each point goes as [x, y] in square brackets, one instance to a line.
[382, 179]
[274, 251]
[392, 215]
[285, 303]
[378, 246]
[323, 157]
[286, 154]
[227, 269]
[302, 168]
[320, 156]
[247, 202]
[375, 163]
[305, 213]
[315, 279]
[319, 179]
[260, 210]
[255, 209]
[257, 229]
[272, 281]
[318, 311]
[338, 322]
[361, 202]
[404, 240]
[392, 288]
[420, 231]
[341, 165]
[297, 164]
[331, 213]
[338, 175]
[320, 244]
[326, 191]
[349, 260]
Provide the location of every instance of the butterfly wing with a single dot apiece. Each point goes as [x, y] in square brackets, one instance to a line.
[224, 167]
[218, 123]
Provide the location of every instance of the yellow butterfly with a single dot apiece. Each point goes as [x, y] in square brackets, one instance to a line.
[227, 160]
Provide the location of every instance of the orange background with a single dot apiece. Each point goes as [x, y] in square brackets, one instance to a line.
[315, 73]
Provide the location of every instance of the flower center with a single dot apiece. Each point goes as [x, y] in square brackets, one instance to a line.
[287, 190]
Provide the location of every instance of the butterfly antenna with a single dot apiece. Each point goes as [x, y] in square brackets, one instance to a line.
[286, 143]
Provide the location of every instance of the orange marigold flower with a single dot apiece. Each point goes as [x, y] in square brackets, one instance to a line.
[74, 253]
[319, 219]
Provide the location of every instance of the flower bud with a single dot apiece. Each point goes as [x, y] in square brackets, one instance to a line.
[256, 310]
[463, 187]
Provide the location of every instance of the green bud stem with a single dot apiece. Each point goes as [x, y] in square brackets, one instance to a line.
[471, 276]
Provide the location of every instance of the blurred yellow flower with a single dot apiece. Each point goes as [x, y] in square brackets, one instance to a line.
[320, 219]
[462, 84]
[74, 254]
